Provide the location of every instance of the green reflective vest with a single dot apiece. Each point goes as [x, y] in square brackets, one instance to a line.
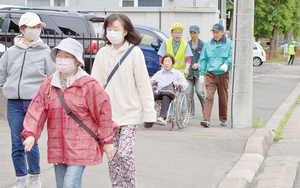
[292, 49]
[180, 55]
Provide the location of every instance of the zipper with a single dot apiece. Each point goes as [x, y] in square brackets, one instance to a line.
[21, 74]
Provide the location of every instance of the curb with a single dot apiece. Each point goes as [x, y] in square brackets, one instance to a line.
[242, 174]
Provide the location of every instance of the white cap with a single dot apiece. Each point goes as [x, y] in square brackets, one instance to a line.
[30, 19]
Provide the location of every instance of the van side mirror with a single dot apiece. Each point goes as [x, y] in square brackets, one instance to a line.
[155, 46]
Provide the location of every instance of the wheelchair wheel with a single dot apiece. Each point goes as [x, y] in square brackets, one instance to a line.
[170, 120]
[183, 108]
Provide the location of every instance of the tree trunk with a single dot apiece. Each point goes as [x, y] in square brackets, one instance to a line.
[273, 44]
[288, 37]
[276, 45]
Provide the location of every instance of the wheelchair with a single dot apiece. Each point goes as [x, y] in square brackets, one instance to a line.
[178, 111]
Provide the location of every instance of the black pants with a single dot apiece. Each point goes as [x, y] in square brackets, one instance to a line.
[292, 59]
[166, 100]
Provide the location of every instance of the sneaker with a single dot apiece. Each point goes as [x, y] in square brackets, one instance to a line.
[21, 183]
[160, 119]
[192, 115]
[223, 124]
[34, 182]
[205, 123]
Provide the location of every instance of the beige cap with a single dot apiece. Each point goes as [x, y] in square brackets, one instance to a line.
[30, 19]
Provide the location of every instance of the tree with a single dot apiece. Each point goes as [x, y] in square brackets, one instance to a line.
[274, 17]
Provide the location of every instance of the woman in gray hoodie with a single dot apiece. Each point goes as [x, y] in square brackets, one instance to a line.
[23, 68]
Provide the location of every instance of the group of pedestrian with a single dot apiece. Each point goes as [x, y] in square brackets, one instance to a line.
[85, 115]
[198, 62]
[88, 115]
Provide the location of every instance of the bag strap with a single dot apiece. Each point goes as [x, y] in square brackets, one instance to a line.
[118, 65]
[70, 113]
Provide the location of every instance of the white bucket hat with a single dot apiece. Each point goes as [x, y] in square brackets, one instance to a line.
[30, 19]
[71, 46]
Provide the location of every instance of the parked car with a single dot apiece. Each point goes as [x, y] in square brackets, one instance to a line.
[259, 54]
[59, 23]
[150, 44]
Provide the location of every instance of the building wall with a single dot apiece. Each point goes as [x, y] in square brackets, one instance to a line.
[14, 2]
[165, 3]
[191, 3]
[158, 17]
[164, 18]
[93, 3]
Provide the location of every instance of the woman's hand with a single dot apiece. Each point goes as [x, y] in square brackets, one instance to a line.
[28, 143]
[110, 151]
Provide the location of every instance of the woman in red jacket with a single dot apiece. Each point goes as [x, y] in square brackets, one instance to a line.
[70, 147]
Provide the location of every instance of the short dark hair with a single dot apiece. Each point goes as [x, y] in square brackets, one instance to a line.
[168, 55]
[132, 36]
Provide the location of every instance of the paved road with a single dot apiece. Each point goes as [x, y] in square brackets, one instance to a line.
[190, 157]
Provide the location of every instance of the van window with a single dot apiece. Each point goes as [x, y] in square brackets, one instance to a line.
[147, 39]
[70, 26]
[1, 23]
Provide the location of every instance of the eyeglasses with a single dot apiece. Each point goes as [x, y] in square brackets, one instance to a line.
[177, 33]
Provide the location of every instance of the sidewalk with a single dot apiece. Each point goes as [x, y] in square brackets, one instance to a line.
[280, 167]
[266, 163]
[190, 157]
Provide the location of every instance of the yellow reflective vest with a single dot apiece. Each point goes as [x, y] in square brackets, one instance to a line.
[180, 55]
[292, 49]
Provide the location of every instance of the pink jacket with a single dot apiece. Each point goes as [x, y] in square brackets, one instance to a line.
[68, 142]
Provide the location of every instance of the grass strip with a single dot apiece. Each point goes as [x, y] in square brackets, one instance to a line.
[283, 122]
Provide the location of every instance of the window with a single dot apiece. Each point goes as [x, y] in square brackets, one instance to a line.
[1, 22]
[72, 26]
[128, 3]
[46, 3]
[59, 3]
[152, 3]
[254, 46]
[147, 39]
[40, 3]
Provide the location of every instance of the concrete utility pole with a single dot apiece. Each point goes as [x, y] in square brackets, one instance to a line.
[242, 80]
[223, 12]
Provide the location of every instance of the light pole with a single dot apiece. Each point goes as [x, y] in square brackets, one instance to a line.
[242, 79]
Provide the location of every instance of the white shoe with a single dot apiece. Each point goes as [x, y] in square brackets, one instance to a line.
[160, 119]
[21, 183]
[34, 181]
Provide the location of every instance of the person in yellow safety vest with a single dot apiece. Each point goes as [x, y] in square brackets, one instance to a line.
[178, 48]
[292, 52]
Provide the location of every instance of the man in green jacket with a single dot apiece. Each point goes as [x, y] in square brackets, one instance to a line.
[215, 62]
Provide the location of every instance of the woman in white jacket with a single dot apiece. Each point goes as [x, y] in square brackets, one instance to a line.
[129, 90]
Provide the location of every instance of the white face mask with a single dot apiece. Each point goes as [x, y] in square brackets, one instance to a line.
[65, 65]
[115, 37]
[32, 34]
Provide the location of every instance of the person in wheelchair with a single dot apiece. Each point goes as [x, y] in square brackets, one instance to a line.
[166, 80]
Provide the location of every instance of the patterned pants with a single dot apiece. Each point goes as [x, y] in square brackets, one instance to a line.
[122, 167]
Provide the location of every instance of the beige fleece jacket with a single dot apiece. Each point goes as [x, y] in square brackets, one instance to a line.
[129, 89]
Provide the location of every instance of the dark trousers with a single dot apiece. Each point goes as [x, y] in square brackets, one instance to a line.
[292, 59]
[220, 83]
[166, 100]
